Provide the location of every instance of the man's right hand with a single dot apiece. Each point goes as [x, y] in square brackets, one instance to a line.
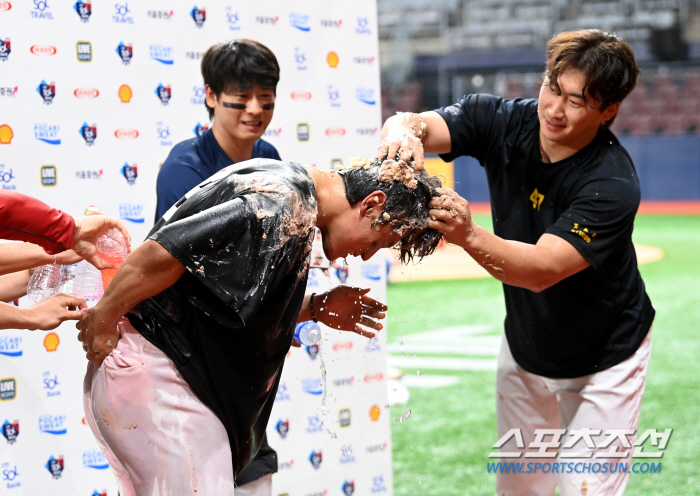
[402, 135]
[98, 333]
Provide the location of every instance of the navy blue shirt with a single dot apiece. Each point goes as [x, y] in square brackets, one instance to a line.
[192, 161]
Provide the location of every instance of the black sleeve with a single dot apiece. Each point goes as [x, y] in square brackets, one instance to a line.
[600, 218]
[477, 123]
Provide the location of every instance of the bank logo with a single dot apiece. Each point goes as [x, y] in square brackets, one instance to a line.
[346, 455]
[8, 389]
[95, 459]
[47, 91]
[315, 424]
[282, 392]
[51, 342]
[161, 53]
[41, 10]
[86, 92]
[84, 10]
[83, 50]
[282, 427]
[88, 174]
[130, 173]
[348, 488]
[164, 93]
[7, 181]
[5, 49]
[48, 133]
[6, 134]
[89, 133]
[10, 474]
[55, 466]
[267, 20]
[365, 95]
[131, 212]
[125, 93]
[335, 131]
[333, 96]
[49, 177]
[299, 21]
[122, 14]
[344, 418]
[362, 26]
[10, 430]
[125, 52]
[378, 485]
[316, 457]
[51, 384]
[199, 16]
[200, 128]
[198, 95]
[53, 424]
[312, 386]
[233, 19]
[332, 59]
[374, 413]
[373, 345]
[300, 59]
[302, 131]
[312, 351]
[43, 50]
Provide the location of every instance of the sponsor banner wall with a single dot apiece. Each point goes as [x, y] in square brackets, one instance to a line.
[92, 99]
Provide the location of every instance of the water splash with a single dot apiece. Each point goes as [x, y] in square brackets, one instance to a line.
[403, 418]
[332, 434]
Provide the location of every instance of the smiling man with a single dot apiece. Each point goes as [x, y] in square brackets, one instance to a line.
[564, 194]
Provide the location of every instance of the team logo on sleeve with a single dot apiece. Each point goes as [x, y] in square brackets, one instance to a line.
[47, 91]
[84, 10]
[316, 457]
[164, 93]
[130, 172]
[10, 430]
[5, 49]
[55, 466]
[89, 133]
[199, 16]
[282, 428]
[125, 52]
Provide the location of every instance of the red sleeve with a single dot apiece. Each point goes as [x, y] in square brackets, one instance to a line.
[23, 218]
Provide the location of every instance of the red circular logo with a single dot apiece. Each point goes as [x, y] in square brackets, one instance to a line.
[86, 92]
[43, 50]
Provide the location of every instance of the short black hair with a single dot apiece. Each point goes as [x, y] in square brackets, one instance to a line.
[239, 65]
[406, 207]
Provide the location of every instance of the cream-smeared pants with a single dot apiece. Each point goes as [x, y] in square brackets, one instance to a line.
[606, 400]
[159, 438]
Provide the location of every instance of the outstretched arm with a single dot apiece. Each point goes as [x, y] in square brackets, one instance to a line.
[534, 267]
[16, 256]
[411, 135]
[45, 315]
[149, 270]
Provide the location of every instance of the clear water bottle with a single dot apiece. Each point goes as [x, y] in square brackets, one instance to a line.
[112, 248]
[67, 278]
[44, 282]
[88, 282]
[307, 333]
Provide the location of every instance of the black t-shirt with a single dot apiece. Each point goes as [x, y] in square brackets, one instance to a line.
[598, 317]
[244, 236]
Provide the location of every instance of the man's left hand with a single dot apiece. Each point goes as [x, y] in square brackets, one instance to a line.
[350, 309]
[450, 214]
[98, 333]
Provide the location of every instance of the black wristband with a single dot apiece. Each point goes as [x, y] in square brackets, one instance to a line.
[311, 307]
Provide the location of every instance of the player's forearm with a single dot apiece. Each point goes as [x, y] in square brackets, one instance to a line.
[12, 317]
[149, 270]
[16, 256]
[13, 286]
[518, 264]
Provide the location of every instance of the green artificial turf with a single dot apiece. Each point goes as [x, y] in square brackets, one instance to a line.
[442, 449]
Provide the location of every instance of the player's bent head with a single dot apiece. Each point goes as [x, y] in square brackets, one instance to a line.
[606, 61]
[407, 202]
[239, 65]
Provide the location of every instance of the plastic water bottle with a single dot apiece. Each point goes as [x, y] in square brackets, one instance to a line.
[307, 333]
[88, 282]
[44, 282]
[113, 249]
[67, 278]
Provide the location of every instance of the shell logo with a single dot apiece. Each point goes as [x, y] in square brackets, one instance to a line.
[86, 92]
[126, 133]
[335, 131]
[342, 346]
[125, 93]
[5, 6]
[374, 377]
[6, 134]
[301, 95]
[51, 341]
[332, 59]
[374, 413]
[43, 50]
